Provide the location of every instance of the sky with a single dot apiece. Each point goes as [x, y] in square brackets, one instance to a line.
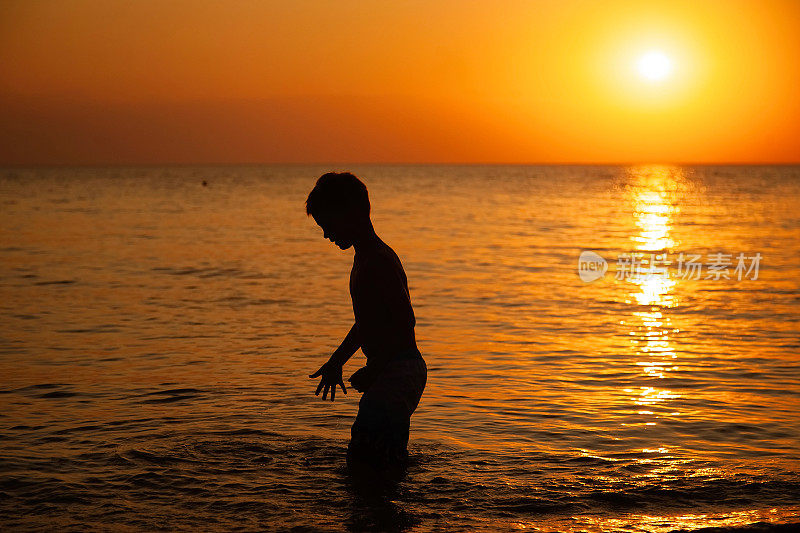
[238, 82]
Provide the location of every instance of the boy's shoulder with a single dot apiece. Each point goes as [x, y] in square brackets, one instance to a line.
[382, 256]
[378, 258]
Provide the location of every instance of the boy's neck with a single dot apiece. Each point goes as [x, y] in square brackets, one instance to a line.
[366, 239]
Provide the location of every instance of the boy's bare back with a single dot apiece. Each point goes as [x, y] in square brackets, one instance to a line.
[381, 302]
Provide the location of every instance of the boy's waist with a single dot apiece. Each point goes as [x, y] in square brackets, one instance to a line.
[410, 353]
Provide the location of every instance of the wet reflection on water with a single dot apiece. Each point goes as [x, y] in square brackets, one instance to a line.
[687, 521]
[654, 198]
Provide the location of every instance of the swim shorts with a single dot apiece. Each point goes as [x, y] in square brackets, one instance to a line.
[380, 431]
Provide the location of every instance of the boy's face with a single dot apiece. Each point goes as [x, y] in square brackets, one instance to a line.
[335, 229]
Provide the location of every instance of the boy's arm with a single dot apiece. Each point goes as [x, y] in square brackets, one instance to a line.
[349, 346]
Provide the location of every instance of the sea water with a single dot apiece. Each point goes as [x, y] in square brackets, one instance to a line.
[159, 325]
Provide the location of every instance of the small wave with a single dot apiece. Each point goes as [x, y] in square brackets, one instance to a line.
[211, 272]
[174, 391]
[758, 527]
[58, 394]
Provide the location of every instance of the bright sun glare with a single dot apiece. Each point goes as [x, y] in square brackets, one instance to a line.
[654, 66]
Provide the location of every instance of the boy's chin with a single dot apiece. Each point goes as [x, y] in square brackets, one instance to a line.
[343, 245]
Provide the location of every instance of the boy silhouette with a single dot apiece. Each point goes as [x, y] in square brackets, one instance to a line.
[395, 374]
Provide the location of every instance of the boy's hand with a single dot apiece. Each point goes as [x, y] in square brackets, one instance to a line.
[331, 373]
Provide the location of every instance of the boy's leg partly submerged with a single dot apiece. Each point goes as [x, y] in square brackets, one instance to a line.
[379, 436]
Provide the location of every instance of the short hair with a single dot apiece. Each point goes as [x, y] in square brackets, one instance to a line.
[339, 193]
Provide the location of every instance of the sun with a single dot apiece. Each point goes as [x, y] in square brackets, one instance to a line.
[654, 65]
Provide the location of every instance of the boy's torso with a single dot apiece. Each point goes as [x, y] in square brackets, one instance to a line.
[381, 302]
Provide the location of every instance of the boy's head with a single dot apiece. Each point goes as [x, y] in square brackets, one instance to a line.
[339, 203]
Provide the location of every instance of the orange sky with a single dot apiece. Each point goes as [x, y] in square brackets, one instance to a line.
[160, 81]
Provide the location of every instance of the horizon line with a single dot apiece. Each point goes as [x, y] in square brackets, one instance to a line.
[5, 166]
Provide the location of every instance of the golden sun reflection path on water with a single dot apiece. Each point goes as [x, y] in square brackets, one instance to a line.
[653, 199]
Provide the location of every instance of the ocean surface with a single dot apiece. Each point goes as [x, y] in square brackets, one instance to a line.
[156, 336]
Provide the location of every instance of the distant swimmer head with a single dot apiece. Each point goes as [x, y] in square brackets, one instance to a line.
[339, 204]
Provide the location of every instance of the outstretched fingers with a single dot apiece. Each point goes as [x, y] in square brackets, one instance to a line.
[327, 383]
